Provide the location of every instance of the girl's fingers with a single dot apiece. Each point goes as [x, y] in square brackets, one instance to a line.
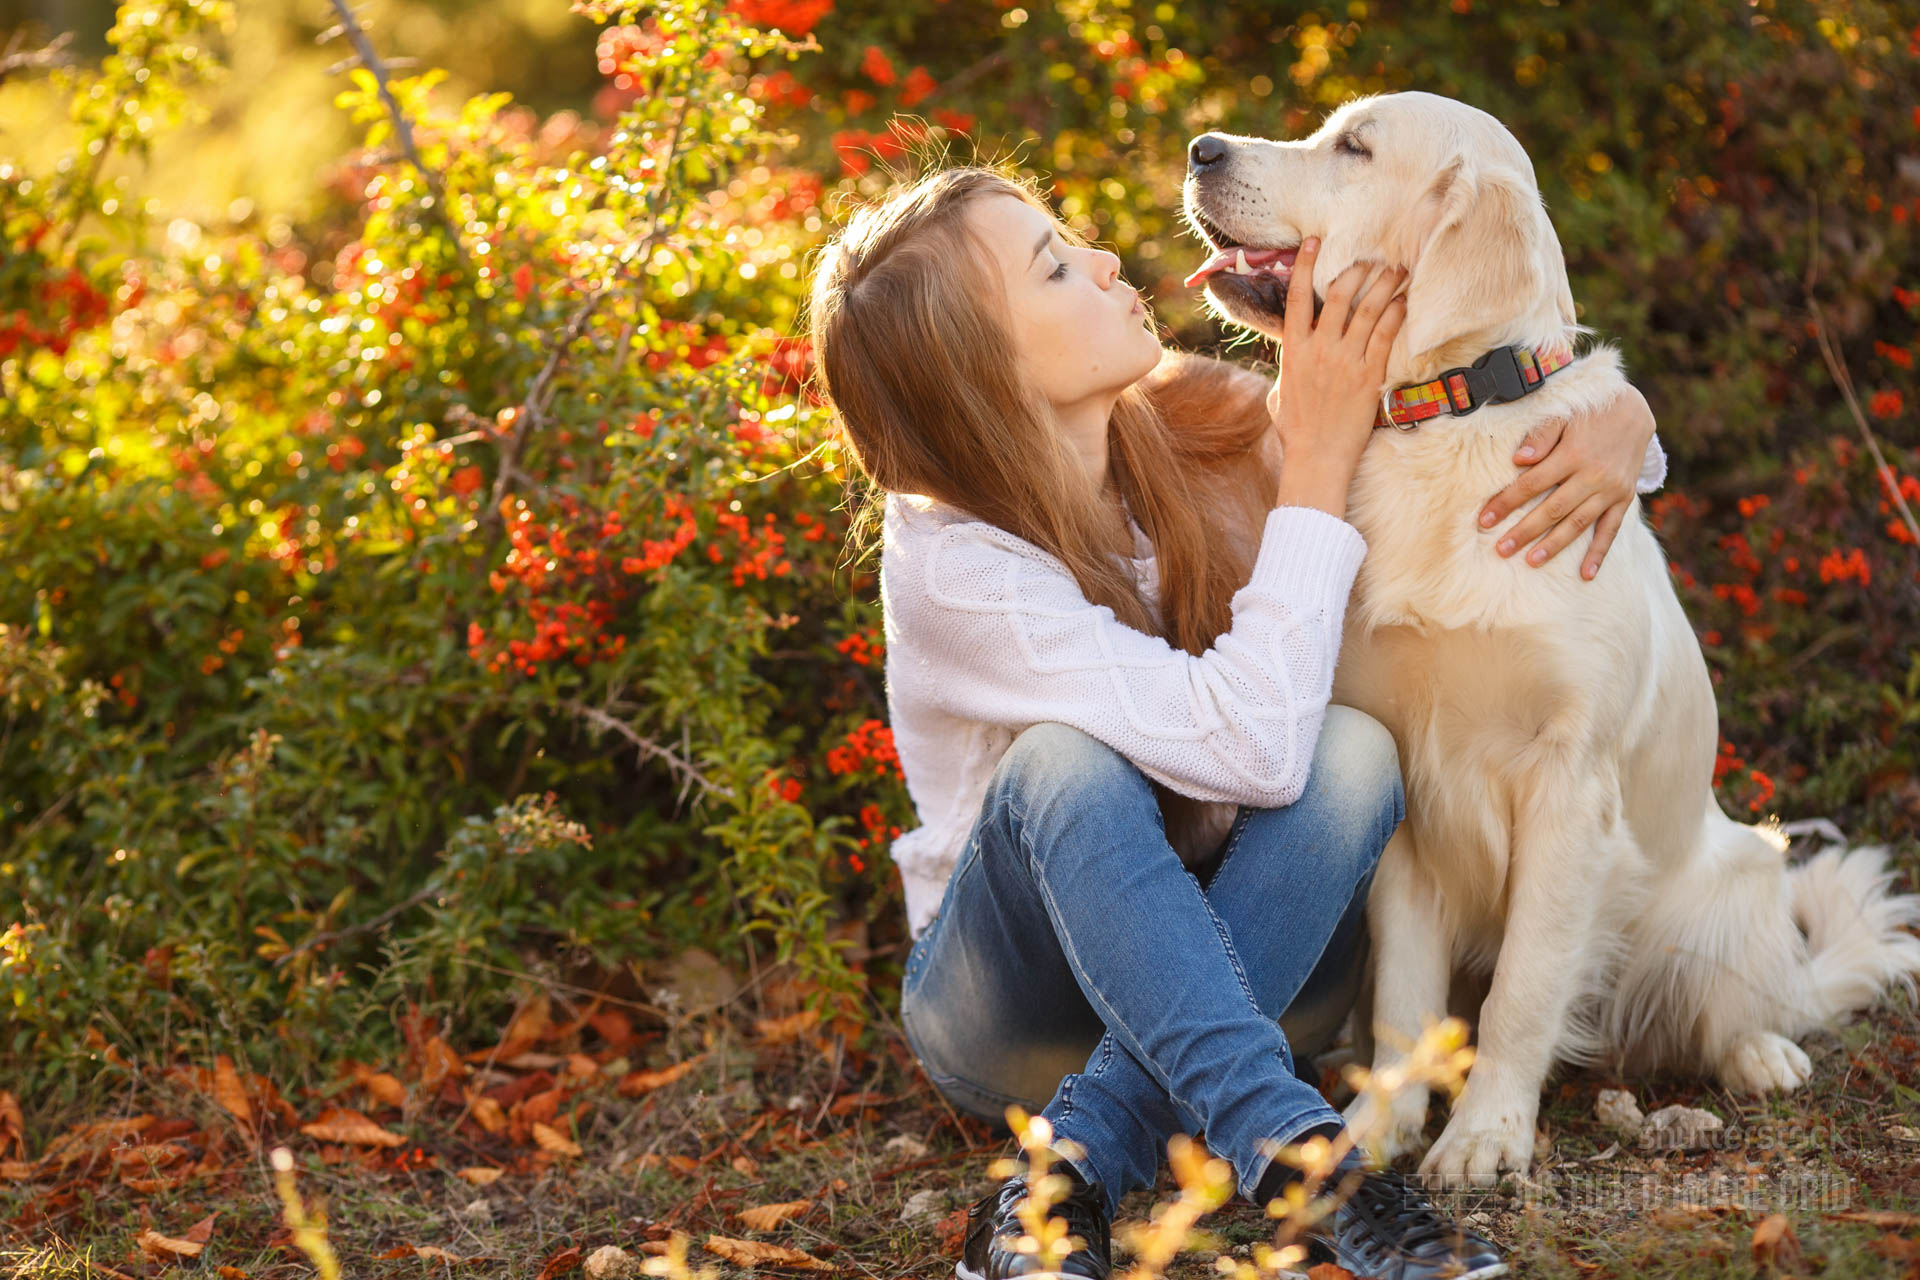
[1340, 293]
[1535, 480]
[1540, 441]
[1567, 530]
[1298, 321]
[1366, 312]
[1550, 511]
[1603, 534]
[1380, 345]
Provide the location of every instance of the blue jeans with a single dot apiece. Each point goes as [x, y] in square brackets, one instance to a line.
[1075, 961]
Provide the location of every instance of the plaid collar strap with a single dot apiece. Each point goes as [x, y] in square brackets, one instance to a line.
[1502, 375]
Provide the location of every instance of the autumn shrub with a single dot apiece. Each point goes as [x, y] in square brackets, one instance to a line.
[461, 586]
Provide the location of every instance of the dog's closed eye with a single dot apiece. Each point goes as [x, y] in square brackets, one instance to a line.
[1350, 144]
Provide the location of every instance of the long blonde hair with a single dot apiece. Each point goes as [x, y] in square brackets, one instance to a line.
[912, 353]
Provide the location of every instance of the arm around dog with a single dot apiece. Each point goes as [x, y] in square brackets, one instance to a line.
[990, 628]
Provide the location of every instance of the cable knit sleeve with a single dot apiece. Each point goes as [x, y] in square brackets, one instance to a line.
[990, 628]
[1653, 467]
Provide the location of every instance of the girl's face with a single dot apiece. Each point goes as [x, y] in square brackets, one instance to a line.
[1083, 335]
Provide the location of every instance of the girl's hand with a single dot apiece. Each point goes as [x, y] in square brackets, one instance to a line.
[1331, 371]
[1592, 466]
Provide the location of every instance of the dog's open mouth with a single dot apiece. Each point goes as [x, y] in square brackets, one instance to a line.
[1242, 261]
[1250, 282]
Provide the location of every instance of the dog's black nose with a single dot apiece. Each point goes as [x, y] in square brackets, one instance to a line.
[1204, 152]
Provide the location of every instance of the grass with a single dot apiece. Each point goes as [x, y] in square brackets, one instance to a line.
[856, 1131]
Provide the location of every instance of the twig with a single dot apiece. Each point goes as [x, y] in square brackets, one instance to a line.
[1844, 380]
[601, 720]
[48, 55]
[322, 939]
[402, 127]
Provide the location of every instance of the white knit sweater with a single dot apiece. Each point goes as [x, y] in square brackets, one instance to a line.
[987, 634]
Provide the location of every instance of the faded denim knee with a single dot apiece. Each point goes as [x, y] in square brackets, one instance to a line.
[1053, 770]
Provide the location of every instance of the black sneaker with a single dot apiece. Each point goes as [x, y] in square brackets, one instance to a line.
[993, 1226]
[1387, 1228]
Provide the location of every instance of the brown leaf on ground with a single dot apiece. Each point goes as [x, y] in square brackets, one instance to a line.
[13, 1126]
[635, 1083]
[337, 1124]
[486, 1112]
[381, 1087]
[579, 1064]
[201, 1231]
[781, 1030]
[758, 1253]
[481, 1175]
[1328, 1271]
[766, 1217]
[540, 1108]
[551, 1139]
[1775, 1247]
[166, 1248]
[145, 1158]
[232, 1273]
[229, 1092]
[439, 1062]
[430, 1252]
[654, 1248]
[560, 1263]
[613, 1026]
[1894, 1218]
[951, 1230]
[1897, 1247]
[847, 1102]
[90, 1139]
[682, 1165]
[747, 1165]
[16, 1171]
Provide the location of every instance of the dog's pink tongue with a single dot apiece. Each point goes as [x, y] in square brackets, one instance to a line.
[1228, 259]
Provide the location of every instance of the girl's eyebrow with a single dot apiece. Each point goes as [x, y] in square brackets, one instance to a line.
[1046, 238]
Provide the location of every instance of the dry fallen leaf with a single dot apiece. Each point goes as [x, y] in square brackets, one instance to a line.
[16, 1170]
[165, 1248]
[487, 1113]
[768, 1216]
[747, 1165]
[635, 1083]
[1895, 1218]
[481, 1175]
[381, 1087]
[13, 1126]
[551, 1139]
[337, 1124]
[560, 1263]
[758, 1253]
[1775, 1246]
[1328, 1271]
[781, 1030]
[229, 1092]
[232, 1273]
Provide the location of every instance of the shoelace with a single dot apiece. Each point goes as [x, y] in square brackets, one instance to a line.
[1390, 1201]
[1081, 1207]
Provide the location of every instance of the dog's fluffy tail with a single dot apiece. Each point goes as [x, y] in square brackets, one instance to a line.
[1854, 927]
[1743, 942]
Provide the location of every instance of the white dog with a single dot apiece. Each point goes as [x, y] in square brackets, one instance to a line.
[1557, 736]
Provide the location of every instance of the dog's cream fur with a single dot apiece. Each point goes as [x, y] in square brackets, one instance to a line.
[1557, 736]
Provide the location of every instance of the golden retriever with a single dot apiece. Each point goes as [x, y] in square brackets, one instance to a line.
[1562, 844]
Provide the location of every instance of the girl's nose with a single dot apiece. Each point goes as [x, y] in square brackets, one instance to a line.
[1109, 267]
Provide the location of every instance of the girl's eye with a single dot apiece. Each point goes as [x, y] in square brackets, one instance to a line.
[1058, 273]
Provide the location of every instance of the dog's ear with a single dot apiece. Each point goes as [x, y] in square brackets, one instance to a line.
[1481, 261]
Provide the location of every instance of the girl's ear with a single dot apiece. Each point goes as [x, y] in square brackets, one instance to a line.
[1475, 267]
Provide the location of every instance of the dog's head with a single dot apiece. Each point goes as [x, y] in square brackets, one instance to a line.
[1409, 179]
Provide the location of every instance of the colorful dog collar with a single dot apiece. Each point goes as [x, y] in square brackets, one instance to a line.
[1502, 375]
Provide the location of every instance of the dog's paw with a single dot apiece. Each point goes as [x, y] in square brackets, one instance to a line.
[1762, 1062]
[1401, 1130]
[1469, 1154]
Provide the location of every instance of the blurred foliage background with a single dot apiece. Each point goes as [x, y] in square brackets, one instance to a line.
[425, 577]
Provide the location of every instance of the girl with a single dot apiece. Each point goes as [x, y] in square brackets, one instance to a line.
[1138, 888]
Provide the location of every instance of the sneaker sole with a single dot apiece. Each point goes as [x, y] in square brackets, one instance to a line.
[964, 1272]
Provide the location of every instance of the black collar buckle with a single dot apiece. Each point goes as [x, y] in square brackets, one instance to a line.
[1497, 377]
